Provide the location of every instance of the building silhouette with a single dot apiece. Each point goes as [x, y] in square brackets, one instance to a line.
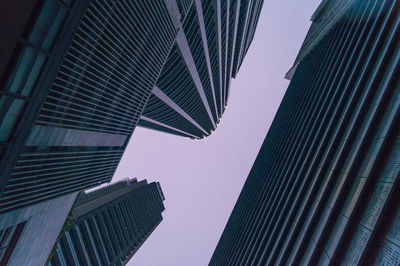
[76, 77]
[108, 225]
[325, 185]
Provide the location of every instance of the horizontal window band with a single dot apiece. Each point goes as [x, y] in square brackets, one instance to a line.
[53, 136]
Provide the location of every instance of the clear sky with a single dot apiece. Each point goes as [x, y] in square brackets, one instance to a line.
[202, 179]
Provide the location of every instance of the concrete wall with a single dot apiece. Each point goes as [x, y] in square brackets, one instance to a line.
[44, 222]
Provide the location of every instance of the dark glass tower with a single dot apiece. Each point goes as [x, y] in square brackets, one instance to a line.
[110, 224]
[76, 76]
[192, 90]
[325, 185]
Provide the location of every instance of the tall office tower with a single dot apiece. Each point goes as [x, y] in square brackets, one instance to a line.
[75, 77]
[325, 185]
[110, 224]
[192, 90]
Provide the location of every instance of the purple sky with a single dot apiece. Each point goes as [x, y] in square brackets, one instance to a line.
[202, 179]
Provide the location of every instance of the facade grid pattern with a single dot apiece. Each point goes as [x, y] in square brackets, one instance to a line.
[98, 62]
[79, 76]
[109, 226]
[324, 187]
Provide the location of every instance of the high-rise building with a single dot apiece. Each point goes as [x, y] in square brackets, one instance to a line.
[76, 76]
[325, 188]
[109, 225]
[192, 90]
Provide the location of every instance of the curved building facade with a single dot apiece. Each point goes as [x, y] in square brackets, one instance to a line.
[192, 91]
[77, 77]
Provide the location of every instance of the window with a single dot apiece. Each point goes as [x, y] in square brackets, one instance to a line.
[8, 240]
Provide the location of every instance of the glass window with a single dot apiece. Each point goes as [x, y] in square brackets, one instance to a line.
[27, 71]
[42, 36]
[47, 25]
[10, 119]
[8, 240]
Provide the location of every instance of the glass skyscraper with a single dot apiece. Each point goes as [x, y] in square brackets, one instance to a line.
[325, 188]
[107, 226]
[192, 90]
[73, 91]
[76, 77]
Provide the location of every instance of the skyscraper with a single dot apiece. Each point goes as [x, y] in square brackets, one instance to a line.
[77, 80]
[192, 90]
[325, 185]
[76, 76]
[110, 224]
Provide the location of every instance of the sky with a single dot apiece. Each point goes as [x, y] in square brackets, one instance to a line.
[202, 179]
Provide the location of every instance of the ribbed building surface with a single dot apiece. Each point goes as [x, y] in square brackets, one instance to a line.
[73, 91]
[325, 188]
[76, 77]
[324, 18]
[109, 225]
[192, 90]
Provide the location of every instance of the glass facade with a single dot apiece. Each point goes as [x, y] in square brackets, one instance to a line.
[324, 188]
[109, 225]
[210, 45]
[34, 50]
[82, 75]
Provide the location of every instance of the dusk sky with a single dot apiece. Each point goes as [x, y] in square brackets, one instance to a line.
[202, 179]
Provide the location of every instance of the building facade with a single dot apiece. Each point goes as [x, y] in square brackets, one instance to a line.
[325, 188]
[76, 76]
[192, 90]
[28, 234]
[110, 224]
